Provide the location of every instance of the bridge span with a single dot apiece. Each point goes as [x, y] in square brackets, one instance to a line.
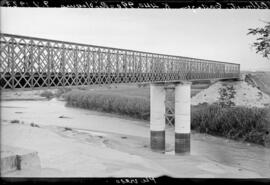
[33, 63]
[29, 63]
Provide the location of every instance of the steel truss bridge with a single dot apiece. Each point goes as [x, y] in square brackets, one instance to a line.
[31, 63]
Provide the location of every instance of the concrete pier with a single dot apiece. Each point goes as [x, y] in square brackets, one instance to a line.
[182, 118]
[157, 117]
[182, 114]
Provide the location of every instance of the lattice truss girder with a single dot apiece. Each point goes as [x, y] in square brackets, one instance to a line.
[28, 62]
[169, 106]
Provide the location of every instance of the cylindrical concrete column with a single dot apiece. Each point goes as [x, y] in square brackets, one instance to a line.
[182, 118]
[157, 117]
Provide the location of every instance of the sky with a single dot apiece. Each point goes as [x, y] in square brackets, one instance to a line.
[213, 34]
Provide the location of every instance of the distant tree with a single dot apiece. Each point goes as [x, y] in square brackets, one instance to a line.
[262, 44]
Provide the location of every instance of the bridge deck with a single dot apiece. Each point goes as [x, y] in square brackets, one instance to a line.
[28, 62]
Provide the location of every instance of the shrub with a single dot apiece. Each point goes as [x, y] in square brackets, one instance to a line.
[47, 94]
[241, 123]
[61, 91]
[227, 93]
[15, 121]
[34, 125]
[133, 106]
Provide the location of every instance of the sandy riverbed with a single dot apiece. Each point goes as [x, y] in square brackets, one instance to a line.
[102, 145]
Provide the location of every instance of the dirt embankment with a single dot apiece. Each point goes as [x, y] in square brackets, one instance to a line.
[261, 80]
[242, 93]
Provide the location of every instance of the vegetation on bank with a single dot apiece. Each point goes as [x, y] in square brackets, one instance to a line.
[49, 94]
[134, 106]
[239, 123]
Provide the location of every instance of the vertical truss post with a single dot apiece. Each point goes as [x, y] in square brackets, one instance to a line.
[12, 62]
[63, 61]
[93, 64]
[31, 58]
[117, 75]
[146, 67]
[152, 68]
[125, 67]
[8, 59]
[133, 67]
[238, 71]
[24, 62]
[88, 64]
[140, 68]
[160, 68]
[164, 74]
[128, 63]
[48, 66]
[76, 65]
[99, 66]
[38, 59]
[109, 67]
[84, 68]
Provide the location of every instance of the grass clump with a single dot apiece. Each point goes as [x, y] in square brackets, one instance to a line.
[47, 94]
[34, 125]
[137, 107]
[239, 123]
[61, 91]
[67, 129]
[58, 93]
[15, 121]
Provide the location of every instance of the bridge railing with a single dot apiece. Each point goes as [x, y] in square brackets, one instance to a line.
[28, 62]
